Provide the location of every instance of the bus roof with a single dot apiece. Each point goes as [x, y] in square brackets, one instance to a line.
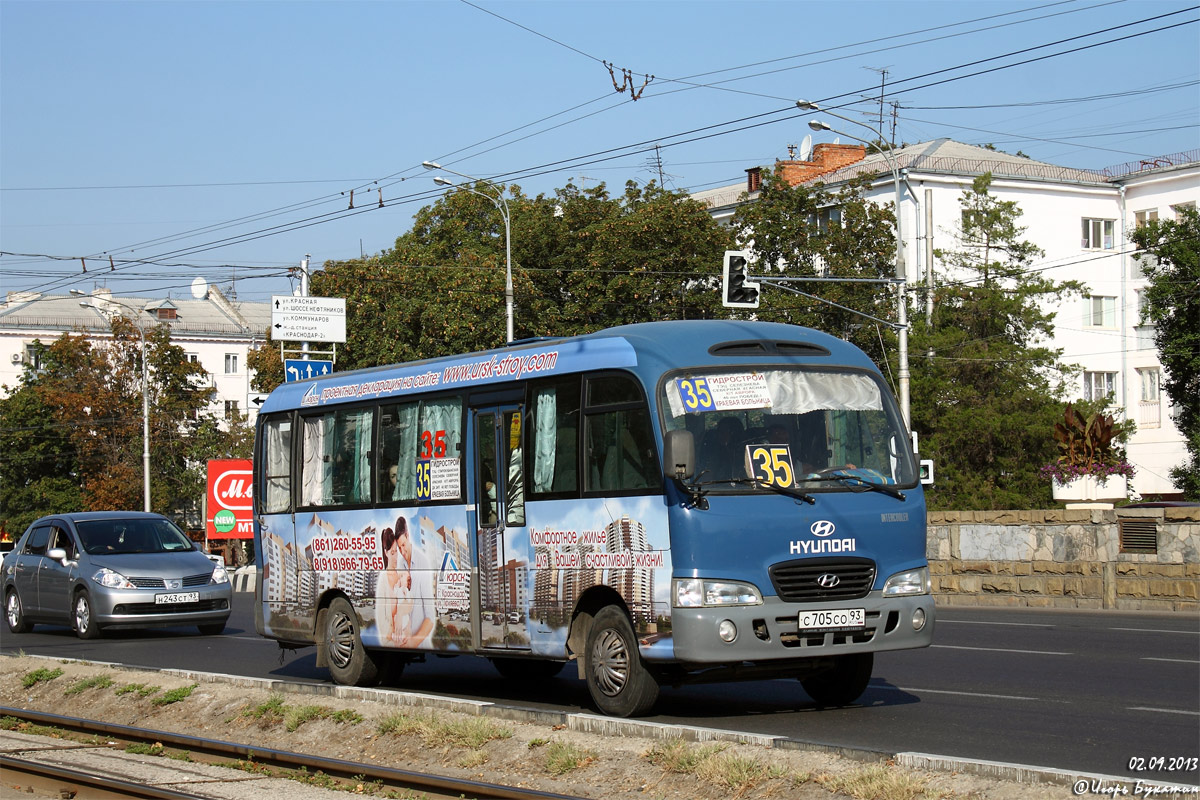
[648, 348]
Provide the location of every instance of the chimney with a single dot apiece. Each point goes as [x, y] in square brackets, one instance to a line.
[826, 158]
[753, 179]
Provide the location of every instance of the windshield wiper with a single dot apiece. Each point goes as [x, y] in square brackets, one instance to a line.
[784, 490]
[859, 482]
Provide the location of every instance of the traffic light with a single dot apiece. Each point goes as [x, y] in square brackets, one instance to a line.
[736, 291]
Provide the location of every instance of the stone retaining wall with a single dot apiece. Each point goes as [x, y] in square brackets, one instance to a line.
[1066, 559]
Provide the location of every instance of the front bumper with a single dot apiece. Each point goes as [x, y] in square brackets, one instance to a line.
[137, 608]
[769, 632]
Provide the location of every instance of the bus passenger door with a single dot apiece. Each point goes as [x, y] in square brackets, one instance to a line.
[500, 489]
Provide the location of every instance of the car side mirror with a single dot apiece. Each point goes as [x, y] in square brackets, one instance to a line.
[57, 554]
[679, 455]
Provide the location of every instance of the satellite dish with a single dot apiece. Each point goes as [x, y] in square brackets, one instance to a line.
[199, 288]
[837, 140]
[806, 147]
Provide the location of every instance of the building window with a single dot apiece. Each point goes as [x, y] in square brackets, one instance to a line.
[1179, 208]
[192, 358]
[1097, 234]
[231, 363]
[1099, 385]
[1150, 407]
[1144, 218]
[33, 356]
[1099, 312]
[167, 313]
[231, 409]
[825, 217]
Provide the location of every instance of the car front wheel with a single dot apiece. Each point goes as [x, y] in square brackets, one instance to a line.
[14, 614]
[85, 623]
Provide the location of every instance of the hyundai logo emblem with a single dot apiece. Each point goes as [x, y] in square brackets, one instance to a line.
[828, 580]
[822, 528]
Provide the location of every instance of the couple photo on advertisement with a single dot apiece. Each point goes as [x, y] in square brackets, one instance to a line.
[403, 591]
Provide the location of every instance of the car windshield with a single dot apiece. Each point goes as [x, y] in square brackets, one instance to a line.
[790, 427]
[112, 536]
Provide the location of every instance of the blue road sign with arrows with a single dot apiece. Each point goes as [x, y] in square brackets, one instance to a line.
[295, 369]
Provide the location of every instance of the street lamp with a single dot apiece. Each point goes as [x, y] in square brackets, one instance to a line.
[901, 272]
[502, 206]
[145, 395]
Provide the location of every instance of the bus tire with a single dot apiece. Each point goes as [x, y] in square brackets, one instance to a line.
[350, 664]
[618, 681]
[843, 684]
[526, 669]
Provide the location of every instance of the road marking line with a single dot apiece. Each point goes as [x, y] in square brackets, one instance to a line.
[1002, 650]
[1151, 630]
[946, 691]
[1164, 710]
[1172, 660]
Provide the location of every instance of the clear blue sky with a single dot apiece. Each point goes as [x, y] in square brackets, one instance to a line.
[222, 139]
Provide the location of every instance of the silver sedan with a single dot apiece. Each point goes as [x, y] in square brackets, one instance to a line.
[108, 569]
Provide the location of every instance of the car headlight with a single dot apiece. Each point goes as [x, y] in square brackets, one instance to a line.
[113, 580]
[696, 592]
[912, 582]
[219, 575]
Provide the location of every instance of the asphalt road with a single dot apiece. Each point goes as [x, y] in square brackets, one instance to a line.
[1083, 691]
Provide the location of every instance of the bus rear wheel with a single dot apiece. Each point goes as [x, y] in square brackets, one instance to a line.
[843, 684]
[350, 664]
[618, 681]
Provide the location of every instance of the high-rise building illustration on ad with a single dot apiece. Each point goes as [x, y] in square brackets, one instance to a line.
[634, 583]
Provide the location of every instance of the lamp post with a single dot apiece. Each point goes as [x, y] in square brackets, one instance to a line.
[145, 396]
[501, 206]
[901, 271]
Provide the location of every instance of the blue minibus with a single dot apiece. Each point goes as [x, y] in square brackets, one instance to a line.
[660, 503]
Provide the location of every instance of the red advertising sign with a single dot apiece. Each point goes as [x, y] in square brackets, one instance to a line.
[230, 515]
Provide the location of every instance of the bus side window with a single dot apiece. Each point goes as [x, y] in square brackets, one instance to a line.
[278, 471]
[620, 444]
[555, 409]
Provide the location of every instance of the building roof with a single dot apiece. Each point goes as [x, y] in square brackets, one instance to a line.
[212, 315]
[955, 158]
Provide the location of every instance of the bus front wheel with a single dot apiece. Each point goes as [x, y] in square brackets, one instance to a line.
[349, 662]
[618, 681]
[843, 684]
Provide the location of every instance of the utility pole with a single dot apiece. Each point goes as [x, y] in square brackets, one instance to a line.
[304, 293]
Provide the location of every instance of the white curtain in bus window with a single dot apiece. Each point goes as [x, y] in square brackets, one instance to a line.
[545, 438]
[352, 460]
[316, 475]
[278, 463]
[402, 434]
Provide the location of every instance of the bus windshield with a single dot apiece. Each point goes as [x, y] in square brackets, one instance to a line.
[789, 426]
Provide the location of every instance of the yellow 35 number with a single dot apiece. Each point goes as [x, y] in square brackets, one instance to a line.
[771, 464]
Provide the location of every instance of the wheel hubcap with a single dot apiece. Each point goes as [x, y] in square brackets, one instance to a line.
[14, 611]
[83, 614]
[610, 658]
[341, 640]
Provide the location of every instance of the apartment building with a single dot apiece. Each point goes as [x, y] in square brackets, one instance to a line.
[1081, 219]
[213, 330]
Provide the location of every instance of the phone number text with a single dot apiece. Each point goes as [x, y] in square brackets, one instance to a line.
[347, 563]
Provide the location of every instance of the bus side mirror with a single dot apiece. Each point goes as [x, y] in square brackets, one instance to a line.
[679, 455]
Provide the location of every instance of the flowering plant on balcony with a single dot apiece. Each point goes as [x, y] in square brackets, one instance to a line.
[1087, 447]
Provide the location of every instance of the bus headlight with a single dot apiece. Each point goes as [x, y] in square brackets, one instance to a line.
[912, 582]
[696, 593]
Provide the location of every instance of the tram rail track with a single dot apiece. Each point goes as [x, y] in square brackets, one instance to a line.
[262, 760]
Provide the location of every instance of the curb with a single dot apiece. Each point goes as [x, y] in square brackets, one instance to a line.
[611, 726]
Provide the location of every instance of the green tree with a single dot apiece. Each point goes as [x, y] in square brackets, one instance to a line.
[80, 413]
[581, 261]
[809, 231]
[986, 391]
[1171, 264]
